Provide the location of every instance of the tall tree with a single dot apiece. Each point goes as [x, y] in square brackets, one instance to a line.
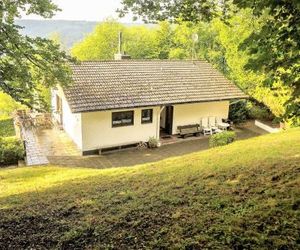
[102, 43]
[28, 62]
[226, 53]
[164, 35]
[138, 41]
[160, 10]
[275, 47]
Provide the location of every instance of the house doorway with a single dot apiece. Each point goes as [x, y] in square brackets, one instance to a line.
[166, 121]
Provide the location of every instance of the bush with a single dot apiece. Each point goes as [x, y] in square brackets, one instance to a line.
[153, 142]
[11, 150]
[260, 112]
[238, 111]
[222, 139]
[7, 128]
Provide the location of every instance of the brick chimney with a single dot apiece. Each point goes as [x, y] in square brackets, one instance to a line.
[121, 55]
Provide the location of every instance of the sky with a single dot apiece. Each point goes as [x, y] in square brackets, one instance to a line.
[88, 10]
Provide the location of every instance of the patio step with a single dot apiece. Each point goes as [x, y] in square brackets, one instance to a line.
[37, 161]
[34, 154]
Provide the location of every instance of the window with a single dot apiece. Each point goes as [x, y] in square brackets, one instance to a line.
[120, 119]
[147, 115]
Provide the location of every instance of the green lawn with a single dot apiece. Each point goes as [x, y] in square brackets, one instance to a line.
[242, 196]
[7, 128]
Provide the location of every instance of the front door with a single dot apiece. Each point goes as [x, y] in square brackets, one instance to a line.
[169, 119]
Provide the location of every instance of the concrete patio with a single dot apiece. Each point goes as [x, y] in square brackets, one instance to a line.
[57, 148]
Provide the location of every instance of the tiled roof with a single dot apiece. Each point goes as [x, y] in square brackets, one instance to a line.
[105, 85]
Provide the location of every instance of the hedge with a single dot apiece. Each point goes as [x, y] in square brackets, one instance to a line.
[7, 128]
[11, 150]
[222, 139]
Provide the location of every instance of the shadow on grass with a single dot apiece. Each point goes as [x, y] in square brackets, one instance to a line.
[256, 206]
[245, 194]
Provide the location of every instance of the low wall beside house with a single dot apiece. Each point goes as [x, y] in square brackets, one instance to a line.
[266, 127]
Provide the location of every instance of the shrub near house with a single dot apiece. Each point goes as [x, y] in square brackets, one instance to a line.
[11, 148]
[7, 128]
[222, 139]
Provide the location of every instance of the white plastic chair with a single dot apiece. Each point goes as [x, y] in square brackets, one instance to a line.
[212, 124]
[222, 125]
[205, 126]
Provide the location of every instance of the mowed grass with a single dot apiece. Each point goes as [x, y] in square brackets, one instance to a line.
[7, 128]
[242, 196]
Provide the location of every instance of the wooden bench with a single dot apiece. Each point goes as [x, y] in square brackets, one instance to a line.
[193, 129]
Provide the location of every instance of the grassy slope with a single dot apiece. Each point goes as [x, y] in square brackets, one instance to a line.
[7, 128]
[245, 195]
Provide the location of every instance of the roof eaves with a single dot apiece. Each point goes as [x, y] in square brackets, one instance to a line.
[155, 105]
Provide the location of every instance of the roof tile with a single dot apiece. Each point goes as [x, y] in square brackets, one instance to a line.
[104, 85]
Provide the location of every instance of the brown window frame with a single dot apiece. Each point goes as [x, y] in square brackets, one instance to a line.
[151, 116]
[121, 121]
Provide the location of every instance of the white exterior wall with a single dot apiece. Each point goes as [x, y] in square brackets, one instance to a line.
[185, 114]
[71, 122]
[53, 105]
[98, 132]
[93, 130]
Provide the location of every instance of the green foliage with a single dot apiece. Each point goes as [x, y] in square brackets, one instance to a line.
[43, 102]
[158, 10]
[222, 139]
[102, 43]
[184, 45]
[222, 49]
[242, 110]
[11, 150]
[259, 112]
[139, 42]
[257, 46]
[275, 47]
[244, 195]
[164, 40]
[153, 142]
[7, 128]
[7, 106]
[238, 111]
[27, 62]
[294, 117]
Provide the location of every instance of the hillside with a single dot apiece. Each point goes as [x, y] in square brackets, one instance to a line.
[71, 32]
[242, 196]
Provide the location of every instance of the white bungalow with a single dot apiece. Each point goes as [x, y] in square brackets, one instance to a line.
[123, 102]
